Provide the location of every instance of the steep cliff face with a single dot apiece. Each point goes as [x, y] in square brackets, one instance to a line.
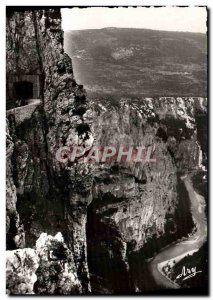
[71, 212]
[50, 198]
[136, 202]
[145, 190]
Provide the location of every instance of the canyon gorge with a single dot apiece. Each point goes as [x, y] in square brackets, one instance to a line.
[75, 227]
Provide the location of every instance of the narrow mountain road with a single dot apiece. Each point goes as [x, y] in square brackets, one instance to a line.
[181, 249]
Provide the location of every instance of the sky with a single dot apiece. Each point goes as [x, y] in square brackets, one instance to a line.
[171, 18]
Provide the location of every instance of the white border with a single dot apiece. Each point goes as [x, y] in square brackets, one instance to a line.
[4, 3]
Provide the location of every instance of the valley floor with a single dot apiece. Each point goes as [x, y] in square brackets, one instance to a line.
[181, 249]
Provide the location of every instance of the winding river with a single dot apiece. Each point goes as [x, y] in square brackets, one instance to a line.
[180, 249]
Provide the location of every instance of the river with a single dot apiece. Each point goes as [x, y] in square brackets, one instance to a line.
[182, 248]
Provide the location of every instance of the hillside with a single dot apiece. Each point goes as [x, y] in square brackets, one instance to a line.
[139, 61]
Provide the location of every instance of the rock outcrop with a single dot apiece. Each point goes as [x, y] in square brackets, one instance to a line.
[102, 210]
[38, 176]
[25, 264]
[47, 269]
[135, 202]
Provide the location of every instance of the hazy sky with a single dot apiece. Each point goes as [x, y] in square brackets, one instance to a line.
[163, 18]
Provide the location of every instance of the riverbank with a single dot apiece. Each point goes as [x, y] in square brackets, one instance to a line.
[183, 248]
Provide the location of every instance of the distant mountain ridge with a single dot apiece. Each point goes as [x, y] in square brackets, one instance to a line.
[139, 61]
[135, 28]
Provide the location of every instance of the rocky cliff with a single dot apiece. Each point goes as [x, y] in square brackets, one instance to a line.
[49, 196]
[70, 223]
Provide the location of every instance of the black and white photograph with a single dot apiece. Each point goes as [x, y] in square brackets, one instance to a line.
[107, 150]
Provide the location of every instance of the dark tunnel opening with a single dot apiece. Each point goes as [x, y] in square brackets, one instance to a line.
[23, 90]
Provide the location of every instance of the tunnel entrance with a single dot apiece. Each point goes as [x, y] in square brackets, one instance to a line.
[23, 90]
[22, 87]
